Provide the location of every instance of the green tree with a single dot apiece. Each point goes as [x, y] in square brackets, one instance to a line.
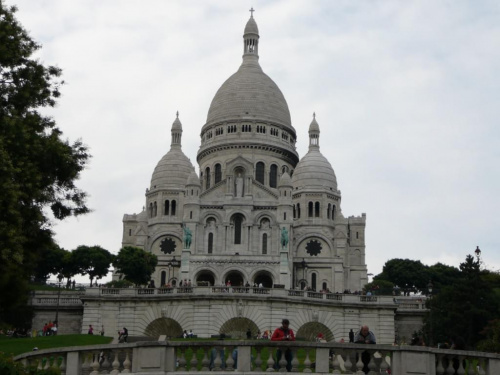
[405, 273]
[38, 169]
[135, 264]
[462, 310]
[92, 260]
[51, 262]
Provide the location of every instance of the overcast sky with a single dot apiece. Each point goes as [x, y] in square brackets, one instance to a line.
[406, 94]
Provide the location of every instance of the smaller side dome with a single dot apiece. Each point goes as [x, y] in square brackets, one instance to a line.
[314, 171]
[193, 179]
[174, 168]
[285, 180]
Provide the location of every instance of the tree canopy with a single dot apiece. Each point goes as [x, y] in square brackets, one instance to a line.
[38, 168]
[93, 261]
[135, 264]
[462, 310]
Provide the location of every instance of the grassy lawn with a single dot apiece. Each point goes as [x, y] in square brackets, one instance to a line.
[23, 345]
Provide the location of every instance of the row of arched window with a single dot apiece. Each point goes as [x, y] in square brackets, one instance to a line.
[169, 208]
[247, 128]
[314, 210]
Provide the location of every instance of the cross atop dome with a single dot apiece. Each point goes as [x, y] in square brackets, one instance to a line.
[251, 12]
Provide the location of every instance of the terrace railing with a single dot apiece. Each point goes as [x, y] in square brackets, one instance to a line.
[237, 291]
[260, 357]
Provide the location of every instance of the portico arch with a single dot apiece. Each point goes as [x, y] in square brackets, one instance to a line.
[205, 278]
[237, 328]
[235, 277]
[265, 278]
[164, 326]
[310, 331]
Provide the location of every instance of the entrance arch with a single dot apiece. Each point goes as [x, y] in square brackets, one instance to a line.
[205, 278]
[164, 326]
[235, 277]
[310, 331]
[265, 278]
[237, 328]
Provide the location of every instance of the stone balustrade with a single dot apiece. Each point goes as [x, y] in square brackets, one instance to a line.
[225, 290]
[259, 357]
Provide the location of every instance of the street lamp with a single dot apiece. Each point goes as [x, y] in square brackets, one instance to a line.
[172, 263]
[304, 266]
[429, 288]
[478, 252]
[58, 298]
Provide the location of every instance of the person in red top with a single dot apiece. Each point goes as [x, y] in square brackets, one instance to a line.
[284, 333]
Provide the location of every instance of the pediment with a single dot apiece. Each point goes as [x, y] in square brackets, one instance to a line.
[216, 193]
[239, 161]
[260, 191]
[140, 231]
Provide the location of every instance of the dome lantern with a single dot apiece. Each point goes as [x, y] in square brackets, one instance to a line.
[176, 132]
[314, 134]
[251, 37]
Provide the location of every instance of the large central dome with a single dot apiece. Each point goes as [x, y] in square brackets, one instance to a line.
[250, 93]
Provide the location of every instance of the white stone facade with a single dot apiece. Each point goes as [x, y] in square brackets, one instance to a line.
[252, 184]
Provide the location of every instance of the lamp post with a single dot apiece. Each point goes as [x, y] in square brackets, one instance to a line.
[58, 297]
[172, 264]
[304, 267]
[429, 288]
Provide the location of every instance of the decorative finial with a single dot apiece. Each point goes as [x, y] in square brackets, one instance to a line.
[251, 12]
[314, 114]
[177, 114]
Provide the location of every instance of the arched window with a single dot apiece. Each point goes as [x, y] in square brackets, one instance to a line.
[238, 220]
[333, 212]
[163, 278]
[310, 211]
[190, 214]
[151, 210]
[264, 243]
[174, 204]
[298, 210]
[328, 211]
[284, 215]
[155, 209]
[273, 176]
[207, 178]
[316, 209]
[259, 172]
[218, 173]
[294, 212]
[313, 281]
[130, 232]
[325, 287]
[166, 208]
[210, 243]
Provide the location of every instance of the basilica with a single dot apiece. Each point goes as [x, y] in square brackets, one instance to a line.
[257, 213]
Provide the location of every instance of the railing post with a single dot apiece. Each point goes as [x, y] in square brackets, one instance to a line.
[493, 366]
[322, 360]
[170, 359]
[244, 359]
[73, 363]
[404, 362]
